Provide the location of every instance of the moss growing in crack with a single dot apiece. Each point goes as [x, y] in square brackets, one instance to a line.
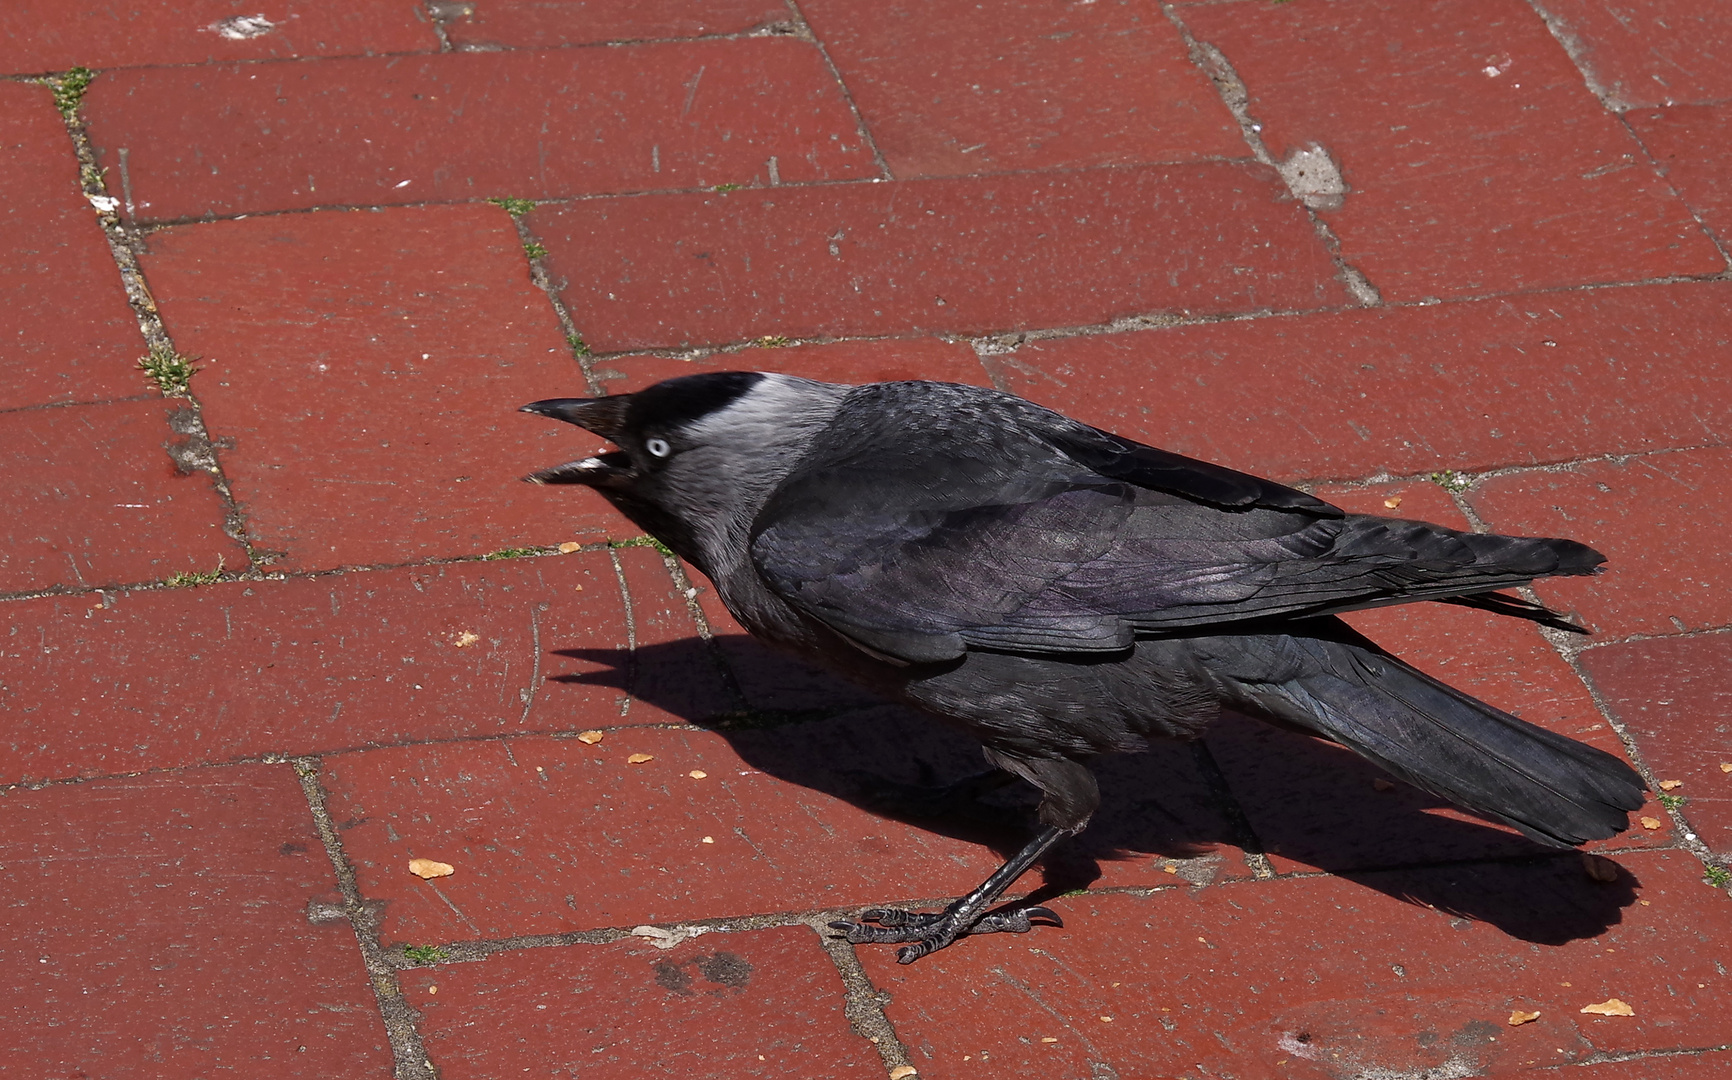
[425, 954]
[511, 553]
[69, 90]
[1671, 802]
[514, 207]
[642, 541]
[534, 250]
[188, 579]
[1452, 482]
[1717, 876]
[723, 189]
[772, 341]
[579, 347]
[170, 371]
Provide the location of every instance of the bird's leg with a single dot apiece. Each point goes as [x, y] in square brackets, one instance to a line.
[928, 932]
[1069, 798]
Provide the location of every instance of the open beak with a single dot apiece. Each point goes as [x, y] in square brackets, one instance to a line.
[605, 417]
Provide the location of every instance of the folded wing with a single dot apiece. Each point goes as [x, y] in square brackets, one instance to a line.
[1011, 528]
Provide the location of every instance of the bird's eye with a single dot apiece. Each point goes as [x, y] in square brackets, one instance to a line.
[657, 447]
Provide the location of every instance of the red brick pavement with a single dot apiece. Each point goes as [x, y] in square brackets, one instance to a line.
[64, 321]
[158, 925]
[273, 639]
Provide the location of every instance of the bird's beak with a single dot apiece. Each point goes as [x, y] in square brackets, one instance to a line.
[605, 417]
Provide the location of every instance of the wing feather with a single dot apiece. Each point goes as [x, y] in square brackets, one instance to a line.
[1002, 528]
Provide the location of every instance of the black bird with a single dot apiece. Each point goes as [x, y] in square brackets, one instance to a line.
[1061, 592]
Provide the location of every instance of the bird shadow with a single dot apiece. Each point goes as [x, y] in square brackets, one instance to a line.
[1304, 803]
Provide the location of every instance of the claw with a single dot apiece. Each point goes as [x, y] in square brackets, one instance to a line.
[907, 954]
[928, 931]
[894, 916]
[1044, 913]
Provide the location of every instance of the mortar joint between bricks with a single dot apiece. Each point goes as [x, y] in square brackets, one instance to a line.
[1664, 173]
[542, 280]
[803, 30]
[257, 573]
[1458, 496]
[441, 13]
[1471, 480]
[400, 1018]
[707, 634]
[1686, 834]
[1613, 1057]
[1701, 631]
[1577, 52]
[196, 449]
[1569, 647]
[864, 1008]
[1236, 96]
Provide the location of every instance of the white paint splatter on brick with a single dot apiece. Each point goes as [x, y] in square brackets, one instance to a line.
[243, 27]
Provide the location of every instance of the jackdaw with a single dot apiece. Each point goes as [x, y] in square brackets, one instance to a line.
[1061, 592]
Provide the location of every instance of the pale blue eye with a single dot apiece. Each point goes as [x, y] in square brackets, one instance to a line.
[657, 447]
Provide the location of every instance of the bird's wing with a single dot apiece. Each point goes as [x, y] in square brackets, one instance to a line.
[1161, 470]
[918, 545]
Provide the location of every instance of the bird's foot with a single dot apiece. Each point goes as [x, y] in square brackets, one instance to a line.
[929, 931]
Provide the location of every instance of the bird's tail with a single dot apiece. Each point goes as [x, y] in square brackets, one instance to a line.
[1331, 681]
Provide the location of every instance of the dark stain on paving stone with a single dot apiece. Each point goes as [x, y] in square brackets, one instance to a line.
[725, 969]
[674, 977]
[1474, 1032]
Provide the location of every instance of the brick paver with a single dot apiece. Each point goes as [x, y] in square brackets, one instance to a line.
[1656, 53]
[1475, 160]
[1690, 143]
[94, 499]
[271, 640]
[1663, 520]
[835, 361]
[537, 24]
[956, 89]
[1403, 390]
[122, 682]
[49, 35]
[765, 1003]
[64, 322]
[965, 256]
[549, 835]
[388, 131]
[1675, 697]
[157, 926]
[354, 445]
[1322, 977]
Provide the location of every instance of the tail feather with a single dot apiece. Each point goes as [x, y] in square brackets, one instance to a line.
[1499, 603]
[1534, 556]
[1552, 788]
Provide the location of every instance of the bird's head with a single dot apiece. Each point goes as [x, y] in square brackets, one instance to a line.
[696, 456]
